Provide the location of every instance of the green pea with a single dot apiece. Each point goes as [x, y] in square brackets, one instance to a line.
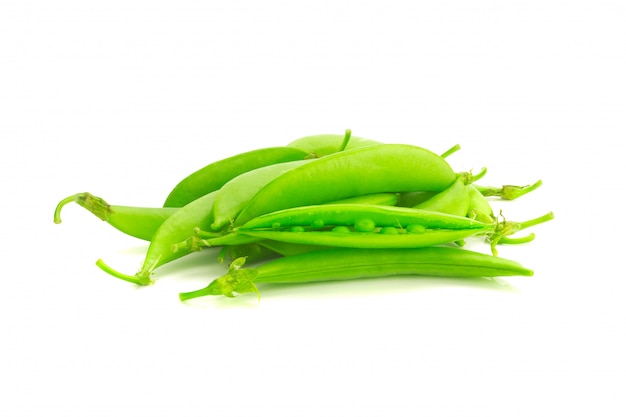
[297, 229]
[317, 223]
[415, 228]
[365, 225]
[389, 230]
[341, 229]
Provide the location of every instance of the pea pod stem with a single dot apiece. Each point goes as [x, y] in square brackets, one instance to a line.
[139, 222]
[508, 192]
[139, 280]
[95, 205]
[346, 140]
[505, 228]
[450, 151]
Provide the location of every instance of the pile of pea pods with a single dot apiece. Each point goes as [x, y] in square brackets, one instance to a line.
[323, 208]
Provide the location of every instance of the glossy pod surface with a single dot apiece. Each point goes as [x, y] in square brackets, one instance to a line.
[346, 264]
[213, 176]
[367, 170]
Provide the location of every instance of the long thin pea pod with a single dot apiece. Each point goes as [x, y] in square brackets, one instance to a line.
[213, 176]
[318, 216]
[367, 170]
[139, 222]
[453, 200]
[176, 228]
[236, 193]
[346, 264]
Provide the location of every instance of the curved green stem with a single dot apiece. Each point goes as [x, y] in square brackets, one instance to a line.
[516, 240]
[505, 228]
[139, 280]
[62, 203]
[508, 192]
[469, 178]
[451, 151]
[346, 139]
[95, 205]
[536, 221]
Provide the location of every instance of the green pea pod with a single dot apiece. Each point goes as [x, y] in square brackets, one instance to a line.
[213, 176]
[236, 193]
[174, 229]
[139, 222]
[479, 208]
[332, 215]
[344, 237]
[453, 200]
[360, 171]
[347, 264]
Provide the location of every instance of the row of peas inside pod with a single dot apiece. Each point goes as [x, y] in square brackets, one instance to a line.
[322, 208]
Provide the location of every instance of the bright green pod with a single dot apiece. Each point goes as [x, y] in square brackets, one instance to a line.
[213, 176]
[360, 171]
[176, 228]
[453, 200]
[139, 222]
[236, 193]
[345, 239]
[347, 264]
[479, 207]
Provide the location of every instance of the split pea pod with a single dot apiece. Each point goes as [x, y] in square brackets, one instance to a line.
[347, 263]
[360, 171]
[139, 222]
[213, 176]
[362, 226]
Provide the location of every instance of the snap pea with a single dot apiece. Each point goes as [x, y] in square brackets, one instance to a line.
[345, 237]
[174, 229]
[479, 207]
[213, 176]
[318, 216]
[348, 263]
[454, 200]
[139, 222]
[367, 170]
[236, 193]
[366, 226]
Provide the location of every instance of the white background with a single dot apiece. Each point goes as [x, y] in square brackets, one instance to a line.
[124, 98]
